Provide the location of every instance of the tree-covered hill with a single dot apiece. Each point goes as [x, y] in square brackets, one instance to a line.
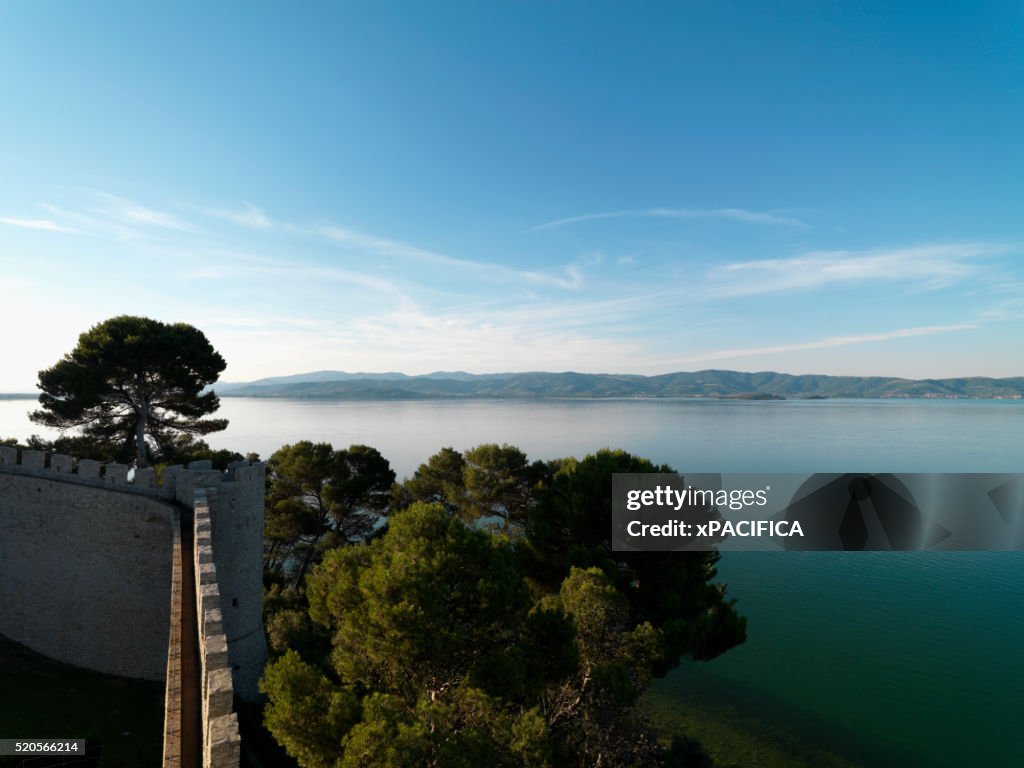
[710, 383]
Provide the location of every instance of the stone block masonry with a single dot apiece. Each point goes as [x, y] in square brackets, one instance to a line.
[87, 576]
[220, 737]
[85, 572]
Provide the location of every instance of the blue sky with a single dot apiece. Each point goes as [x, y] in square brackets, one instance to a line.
[617, 187]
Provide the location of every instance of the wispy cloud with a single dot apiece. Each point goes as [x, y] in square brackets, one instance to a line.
[43, 224]
[335, 274]
[425, 341]
[933, 266]
[1009, 309]
[125, 219]
[613, 313]
[135, 214]
[249, 216]
[735, 214]
[90, 224]
[235, 265]
[267, 322]
[571, 276]
[116, 217]
[826, 343]
[354, 239]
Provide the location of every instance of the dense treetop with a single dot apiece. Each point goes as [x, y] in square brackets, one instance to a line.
[134, 387]
[490, 624]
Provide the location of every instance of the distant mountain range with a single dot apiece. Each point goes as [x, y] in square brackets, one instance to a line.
[339, 385]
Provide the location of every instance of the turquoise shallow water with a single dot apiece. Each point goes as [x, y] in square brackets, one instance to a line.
[908, 654]
[908, 659]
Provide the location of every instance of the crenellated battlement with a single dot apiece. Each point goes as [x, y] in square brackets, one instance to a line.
[221, 740]
[100, 546]
[177, 482]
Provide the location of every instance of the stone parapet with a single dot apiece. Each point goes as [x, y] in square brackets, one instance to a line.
[178, 482]
[221, 737]
[72, 530]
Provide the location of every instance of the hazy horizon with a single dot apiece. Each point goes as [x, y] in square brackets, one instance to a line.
[438, 372]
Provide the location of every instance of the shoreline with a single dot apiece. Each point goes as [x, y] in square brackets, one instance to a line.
[739, 725]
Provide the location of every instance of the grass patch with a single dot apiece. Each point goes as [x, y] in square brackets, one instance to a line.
[42, 698]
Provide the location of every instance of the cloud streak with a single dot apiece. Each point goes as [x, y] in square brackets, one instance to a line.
[933, 266]
[1009, 309]
[571, 278]
[134, 214]
[41, 224]
[117, 217]
[250, 216]
[826, 343]
[234, 266]
[733, 214]
[425, 341]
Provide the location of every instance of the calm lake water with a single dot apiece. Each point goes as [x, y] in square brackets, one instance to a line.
[916, 655]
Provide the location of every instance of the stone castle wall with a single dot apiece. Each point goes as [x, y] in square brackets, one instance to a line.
[86, 560]
[85, 569]
[236, 540]
[220, 735]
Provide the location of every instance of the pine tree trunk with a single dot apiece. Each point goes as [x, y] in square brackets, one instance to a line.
[140, 432]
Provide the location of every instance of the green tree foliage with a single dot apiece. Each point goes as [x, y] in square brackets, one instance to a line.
[564, 509]
[498, 482]
[465, 729]
[317, 498]
[417, 618]
[307, 713]
[289, 626]
[590, 711]
[132, 385]
[442, 593]
[438, 481]
[673, 591]
[525, 645]
[490, 482]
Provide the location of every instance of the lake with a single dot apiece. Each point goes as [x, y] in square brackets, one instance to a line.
[909, 659]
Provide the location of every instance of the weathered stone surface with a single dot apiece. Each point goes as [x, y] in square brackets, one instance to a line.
[223, 743]
[204, 554]
[209, 596]
[216, 652]
[206, 573]
[33, 459]
[115, 474]
[60, 463]
[145, 478]
[85, 574]
[219, 693]
[237, 513]
[213, 622]
[88, 468]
